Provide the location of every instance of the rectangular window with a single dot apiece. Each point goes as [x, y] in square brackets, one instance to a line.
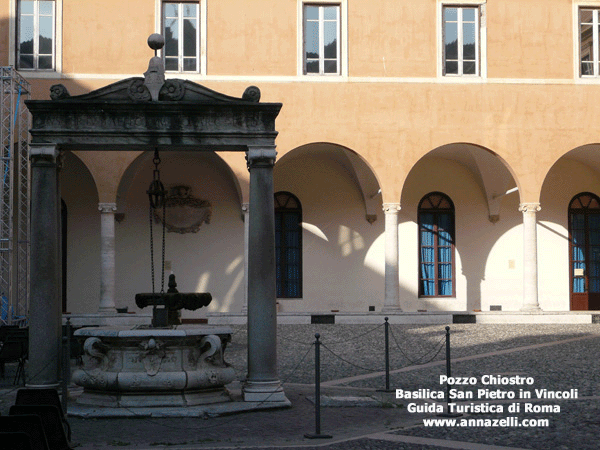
[181, 29]
[321, 39]
[36, 35]
[461, 40]
[588, 42]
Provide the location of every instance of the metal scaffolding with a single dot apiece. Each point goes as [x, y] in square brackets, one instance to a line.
[14, 197]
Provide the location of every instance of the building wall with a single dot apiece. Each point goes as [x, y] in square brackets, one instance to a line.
[79, 193]
[530, 110]
[342, 251]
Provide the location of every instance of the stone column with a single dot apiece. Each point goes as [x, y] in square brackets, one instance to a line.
[45, 269]
[392, 286]
[245, 211]
[530, 278]
[262, 384]
[107, 255]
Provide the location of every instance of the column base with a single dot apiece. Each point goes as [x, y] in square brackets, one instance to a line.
[531, 308]
[107, 310]
[264, 391]
[391, 309]
[42, 386]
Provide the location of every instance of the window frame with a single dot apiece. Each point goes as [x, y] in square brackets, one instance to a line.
[201, 19]
[436, 278]
[56, 4]
[342, 42]
[279, 248]
[595, 51]
[481, 37]
[321, 21]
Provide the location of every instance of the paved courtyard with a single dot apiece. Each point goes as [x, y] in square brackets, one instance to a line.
[560, 361]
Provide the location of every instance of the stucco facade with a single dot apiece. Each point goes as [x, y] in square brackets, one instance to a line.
[390, 128]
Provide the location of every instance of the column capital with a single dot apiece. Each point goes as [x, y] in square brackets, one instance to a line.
[529, 207]
[107, 207]
[261, 156]
[44, 152]
[391, 208]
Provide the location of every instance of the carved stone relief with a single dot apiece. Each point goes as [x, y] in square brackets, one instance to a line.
[184, 213]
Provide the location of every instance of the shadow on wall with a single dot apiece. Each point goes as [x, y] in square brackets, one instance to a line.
[343, 253]
[475, 237]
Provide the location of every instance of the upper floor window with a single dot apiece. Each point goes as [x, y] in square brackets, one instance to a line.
[36, 31]
[461, 40]
[288, 245]
[436, 246]
[322, 39]
[181, 29]
[589, 53]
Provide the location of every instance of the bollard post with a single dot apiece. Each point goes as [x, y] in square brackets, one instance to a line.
[317, 434]
[448, 374]
[387, 357]
[66, 376]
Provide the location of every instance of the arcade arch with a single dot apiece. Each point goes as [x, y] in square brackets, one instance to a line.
[485, 195]
[341, 225]
[575, 173]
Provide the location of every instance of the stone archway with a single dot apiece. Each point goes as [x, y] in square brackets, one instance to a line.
[147, 114]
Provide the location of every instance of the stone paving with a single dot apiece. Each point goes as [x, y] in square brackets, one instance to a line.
[557, 357]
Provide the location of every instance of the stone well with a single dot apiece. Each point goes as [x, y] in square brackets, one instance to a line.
[153, 367]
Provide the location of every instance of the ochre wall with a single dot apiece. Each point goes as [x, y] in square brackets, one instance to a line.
[392, 109]
[251, 38]
[530, 39]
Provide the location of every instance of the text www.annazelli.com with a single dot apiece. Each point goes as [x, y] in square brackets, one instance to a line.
[505, 422]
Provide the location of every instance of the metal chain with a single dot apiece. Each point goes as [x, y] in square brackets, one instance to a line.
[420, 360]
[349, 362]
[151, 248]
[162, 281]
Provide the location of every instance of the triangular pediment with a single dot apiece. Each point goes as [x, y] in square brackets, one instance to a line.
[173, 90]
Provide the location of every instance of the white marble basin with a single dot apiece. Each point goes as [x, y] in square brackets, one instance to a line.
[140, 367]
